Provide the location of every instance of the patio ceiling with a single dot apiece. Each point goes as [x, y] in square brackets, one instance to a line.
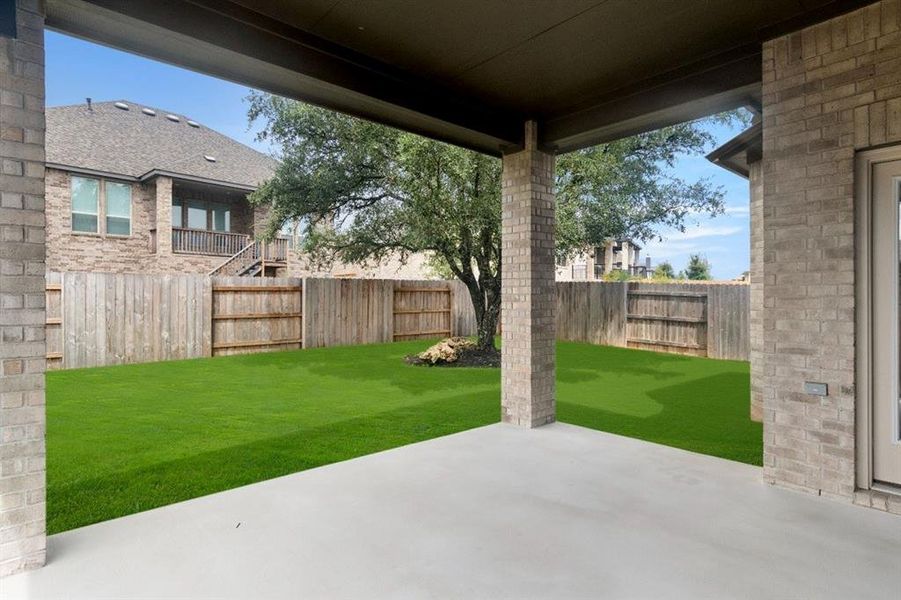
[470, 71]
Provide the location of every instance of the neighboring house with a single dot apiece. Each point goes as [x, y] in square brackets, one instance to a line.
[594, 263]
[131, 188]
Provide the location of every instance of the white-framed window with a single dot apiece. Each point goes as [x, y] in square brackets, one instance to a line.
[178, 217]
[100, 206]
[118, 208]
[191, 213]
[197, 217]
[85, 204]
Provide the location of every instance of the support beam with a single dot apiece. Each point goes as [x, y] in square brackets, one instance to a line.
[22, 315]
[270, 55]
[528, 292]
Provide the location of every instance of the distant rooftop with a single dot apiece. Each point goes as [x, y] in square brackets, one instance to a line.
[136, 141]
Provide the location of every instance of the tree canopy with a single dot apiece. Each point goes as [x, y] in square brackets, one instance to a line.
[365, 191]
[698, 268]
[664, 270]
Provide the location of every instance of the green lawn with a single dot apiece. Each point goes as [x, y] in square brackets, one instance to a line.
[125, 439]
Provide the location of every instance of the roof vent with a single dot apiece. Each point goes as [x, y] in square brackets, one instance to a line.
[209, 158]
[193, 123]
[149, 112]
[121, 105]
[173, 118]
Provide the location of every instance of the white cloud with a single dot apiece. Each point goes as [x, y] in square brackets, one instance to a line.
[738, 209]
[708, 239]
[702, 231]
[668, 250]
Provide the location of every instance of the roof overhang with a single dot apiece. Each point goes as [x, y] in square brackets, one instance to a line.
[701, 57]
[194, 179]
[151, 175]
[92, 172]
[740, 152]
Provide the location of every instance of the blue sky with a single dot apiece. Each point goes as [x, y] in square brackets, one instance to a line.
[77, 70]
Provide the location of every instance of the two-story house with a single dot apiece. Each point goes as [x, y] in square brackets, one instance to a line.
[130, 188]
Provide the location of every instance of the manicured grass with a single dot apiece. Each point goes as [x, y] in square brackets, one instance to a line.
[697, 404]
[125, 439]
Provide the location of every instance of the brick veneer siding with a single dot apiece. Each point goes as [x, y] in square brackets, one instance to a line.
[827, 91]
[183, 263]
[755, 321]
[162, 194]
[151, 209]
[68, 251]
[527, 279]
[22, 345]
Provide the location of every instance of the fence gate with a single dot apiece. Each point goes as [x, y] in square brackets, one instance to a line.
[421, 313]
[667, 321]
[251, 314]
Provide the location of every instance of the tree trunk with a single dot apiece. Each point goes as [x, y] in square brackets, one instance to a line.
[488, 325]
[486, 302]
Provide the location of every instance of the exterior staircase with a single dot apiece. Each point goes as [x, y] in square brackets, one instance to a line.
[254, 259]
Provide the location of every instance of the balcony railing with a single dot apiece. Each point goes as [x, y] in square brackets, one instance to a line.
[275, 250]
[212, 243]
[254, 257]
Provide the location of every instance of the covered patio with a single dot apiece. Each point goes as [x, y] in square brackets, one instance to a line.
[494, 512]
[504, 511]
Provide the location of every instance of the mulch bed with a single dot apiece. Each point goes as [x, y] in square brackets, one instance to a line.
[468, 358]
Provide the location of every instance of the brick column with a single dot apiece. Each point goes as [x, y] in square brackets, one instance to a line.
[22, 347]
[529, 295]
[163, 216]
[755, 177]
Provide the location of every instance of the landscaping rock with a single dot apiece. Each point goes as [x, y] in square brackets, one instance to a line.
[456, 352]
[446, 351]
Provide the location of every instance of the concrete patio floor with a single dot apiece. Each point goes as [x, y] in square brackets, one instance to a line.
[495, 512]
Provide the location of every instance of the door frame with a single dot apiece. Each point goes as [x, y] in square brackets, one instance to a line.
[863, 229]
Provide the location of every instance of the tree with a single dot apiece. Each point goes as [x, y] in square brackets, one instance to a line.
[664, 271]
[366, 191]
[617, 275]
[627, 188]
[698, 268]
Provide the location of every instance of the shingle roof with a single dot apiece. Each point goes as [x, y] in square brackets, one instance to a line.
[134, 144]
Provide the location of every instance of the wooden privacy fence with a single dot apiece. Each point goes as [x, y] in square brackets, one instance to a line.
[252, 314]
[96, 319]
[101, 319]
[422, 313]
[667, 321]
[703, 319]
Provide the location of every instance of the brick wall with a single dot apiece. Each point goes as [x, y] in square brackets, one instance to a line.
[68, 251]
[827, 90]
[22, 345]
[151, 209]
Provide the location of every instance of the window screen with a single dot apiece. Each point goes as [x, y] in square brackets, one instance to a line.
[85, 200]
[118, 208]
